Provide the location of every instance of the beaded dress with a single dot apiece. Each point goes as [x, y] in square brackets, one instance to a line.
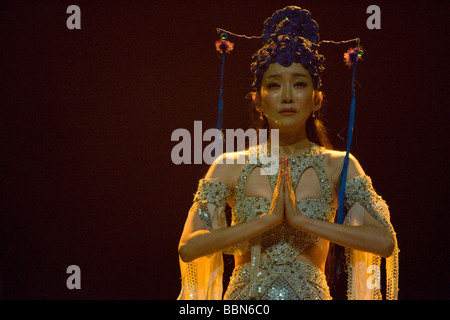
[280, 275]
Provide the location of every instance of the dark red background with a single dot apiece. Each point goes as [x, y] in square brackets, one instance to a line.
[87, 117]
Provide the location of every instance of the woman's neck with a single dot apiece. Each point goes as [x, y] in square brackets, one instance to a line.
[290, 144]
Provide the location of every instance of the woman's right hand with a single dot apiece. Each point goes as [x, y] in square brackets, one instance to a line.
[275, 215]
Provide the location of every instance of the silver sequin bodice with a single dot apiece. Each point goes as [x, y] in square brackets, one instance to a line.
[284, 243]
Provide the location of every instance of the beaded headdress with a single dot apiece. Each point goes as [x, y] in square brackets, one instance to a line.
[289, 36]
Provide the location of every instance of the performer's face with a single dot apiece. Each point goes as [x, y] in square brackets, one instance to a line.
[287, 96]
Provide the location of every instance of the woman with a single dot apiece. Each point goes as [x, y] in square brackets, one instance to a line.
[283, 223]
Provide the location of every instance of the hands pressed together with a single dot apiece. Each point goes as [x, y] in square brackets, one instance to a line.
[284, 206]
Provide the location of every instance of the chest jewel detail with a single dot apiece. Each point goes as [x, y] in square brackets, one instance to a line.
[284, 243]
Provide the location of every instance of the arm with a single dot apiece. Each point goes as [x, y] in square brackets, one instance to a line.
[196, 241]
[199, 240]
[371, 236]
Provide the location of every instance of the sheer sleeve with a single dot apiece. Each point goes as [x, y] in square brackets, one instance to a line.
[201, 279]
[363, 267]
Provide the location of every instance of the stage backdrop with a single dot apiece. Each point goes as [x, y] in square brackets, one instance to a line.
[87, 117]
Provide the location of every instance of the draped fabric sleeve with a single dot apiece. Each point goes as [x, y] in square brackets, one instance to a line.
[364, 275]
[201, 279]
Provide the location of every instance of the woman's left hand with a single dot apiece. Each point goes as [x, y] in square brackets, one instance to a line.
[292, 213]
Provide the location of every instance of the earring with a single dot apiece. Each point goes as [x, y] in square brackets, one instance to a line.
[260, 113]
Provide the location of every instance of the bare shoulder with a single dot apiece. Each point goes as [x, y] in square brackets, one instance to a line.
[334, 161]
[227, 167]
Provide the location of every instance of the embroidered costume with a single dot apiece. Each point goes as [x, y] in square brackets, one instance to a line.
[275, 270]
[280, 275]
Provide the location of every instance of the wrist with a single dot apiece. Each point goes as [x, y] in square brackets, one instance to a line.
[267, 221]
[298, 221]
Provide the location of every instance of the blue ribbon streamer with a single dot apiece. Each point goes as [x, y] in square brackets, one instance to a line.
[219, 119]
[220, 111]
[341, 199]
